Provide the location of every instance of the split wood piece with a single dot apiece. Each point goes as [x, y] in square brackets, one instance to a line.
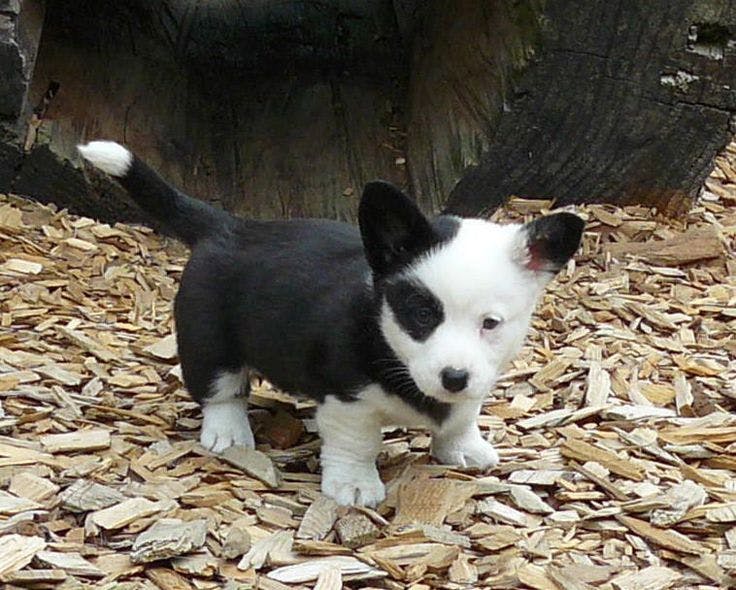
[164, 349]
[84, 496]
[536, 477]
[502, 513]
[254, 463]
[463, 572]
[32, 487]
[528, 500]
[17, 551]
[437, 560]
[558, 418]
[17, 266]
[262, 550]
[318, 519]
[683, 395]
[685, 435]
[536, 577]
[356, 529]
[237, 541]
[71, 563]
[650, 578]
[309, 571]
[168, 537]
[10, 504]
[707, 566]
[549, 373]
[429, 501]
[601, 482]
[89, 344]
[678, 500]
[568, 580]
[664, 537]
[598, 386]
[690, 246]
[582, 451]
[167, 579]
[128, 511]
[203, 565]
[329, 579]
[80, 440]
[35, 578]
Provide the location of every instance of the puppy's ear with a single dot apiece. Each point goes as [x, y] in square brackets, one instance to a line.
[393, 229]
[547, 243]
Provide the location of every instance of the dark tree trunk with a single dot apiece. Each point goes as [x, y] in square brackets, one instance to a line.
[287, 108]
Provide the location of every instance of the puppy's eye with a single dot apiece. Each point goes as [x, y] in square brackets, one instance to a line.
[423, 316]
[490, 323]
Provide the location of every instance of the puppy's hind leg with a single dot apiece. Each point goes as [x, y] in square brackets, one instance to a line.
[225, 412]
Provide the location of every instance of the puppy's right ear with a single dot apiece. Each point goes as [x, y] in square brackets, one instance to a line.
[393, 229]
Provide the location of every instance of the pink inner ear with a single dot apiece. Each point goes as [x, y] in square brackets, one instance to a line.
[536, 258]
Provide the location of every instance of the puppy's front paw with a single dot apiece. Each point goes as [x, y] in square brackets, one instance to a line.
[225, 425]
[353, 485]
[465, 451]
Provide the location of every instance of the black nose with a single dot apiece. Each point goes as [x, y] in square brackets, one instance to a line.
[454, 379]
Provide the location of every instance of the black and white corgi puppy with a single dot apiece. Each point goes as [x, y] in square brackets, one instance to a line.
[406, 321]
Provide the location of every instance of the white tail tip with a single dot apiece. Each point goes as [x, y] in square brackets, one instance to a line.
[108, 156]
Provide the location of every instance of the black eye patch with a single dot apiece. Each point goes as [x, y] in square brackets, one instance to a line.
[415, 308]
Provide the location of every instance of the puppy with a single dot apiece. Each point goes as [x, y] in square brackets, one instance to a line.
[408, 321]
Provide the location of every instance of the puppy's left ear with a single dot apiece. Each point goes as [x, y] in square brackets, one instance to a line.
[393, 229]
[547, 243]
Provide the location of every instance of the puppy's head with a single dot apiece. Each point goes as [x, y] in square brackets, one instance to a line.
[457, 295]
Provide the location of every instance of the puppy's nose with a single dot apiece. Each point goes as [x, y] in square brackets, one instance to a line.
[454, 379]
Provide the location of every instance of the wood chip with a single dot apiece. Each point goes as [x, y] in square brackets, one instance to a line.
[429, 501]
[168, 537]
[329, 579]
[10, 504]
[35, 578]
[167, 579]
[17, 551]
[254, 463]
[237, 542]
[14, 265]
[355, 530]
[318, 520]
[127, 511]
[30, 486]
[309, 571]
[84, 496]
[650, 578]
[71, 563]
[663, 537]
[81, 440]
[689, 247]
[582, 451]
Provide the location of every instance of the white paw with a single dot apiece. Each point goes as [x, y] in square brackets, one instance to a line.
[353, 485]
[225, 425]
[465, 451]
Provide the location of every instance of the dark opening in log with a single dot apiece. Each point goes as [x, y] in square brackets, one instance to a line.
[280, 109]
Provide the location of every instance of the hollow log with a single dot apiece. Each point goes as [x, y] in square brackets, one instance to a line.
[285, 109]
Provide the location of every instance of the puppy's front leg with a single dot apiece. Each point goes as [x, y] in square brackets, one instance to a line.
[458, 441]
[351, 441]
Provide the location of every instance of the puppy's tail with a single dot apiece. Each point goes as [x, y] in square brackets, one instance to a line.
[188, 219]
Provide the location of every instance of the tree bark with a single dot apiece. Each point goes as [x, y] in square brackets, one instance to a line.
[286, 109]
[620, 102]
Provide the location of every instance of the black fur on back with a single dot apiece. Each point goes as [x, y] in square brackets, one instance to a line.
[297, 301]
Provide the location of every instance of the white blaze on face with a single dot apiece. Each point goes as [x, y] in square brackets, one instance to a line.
[474, 276]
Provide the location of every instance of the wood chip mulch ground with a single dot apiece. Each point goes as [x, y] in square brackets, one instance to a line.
[615, 426]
